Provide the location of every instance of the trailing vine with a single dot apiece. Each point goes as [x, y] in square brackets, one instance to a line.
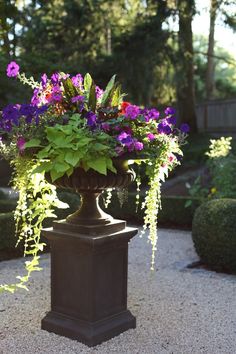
[37, 201]
[152, 204]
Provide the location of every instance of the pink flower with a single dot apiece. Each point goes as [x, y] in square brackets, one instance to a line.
[150, 136]
[21, 144]
[13, 69]
[171, 158]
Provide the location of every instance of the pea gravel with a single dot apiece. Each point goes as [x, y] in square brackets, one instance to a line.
[179, 310]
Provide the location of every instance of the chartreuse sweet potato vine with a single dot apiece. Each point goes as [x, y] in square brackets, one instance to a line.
[71, 122]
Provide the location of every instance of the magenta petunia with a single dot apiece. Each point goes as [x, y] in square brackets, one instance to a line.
[150, 136]
[44, 79]
[138, 146]
[21, 144]
[13, 69]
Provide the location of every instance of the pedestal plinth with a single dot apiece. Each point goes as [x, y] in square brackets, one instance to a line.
[89, 281]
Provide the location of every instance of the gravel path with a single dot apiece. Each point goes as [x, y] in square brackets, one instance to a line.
[178, 310]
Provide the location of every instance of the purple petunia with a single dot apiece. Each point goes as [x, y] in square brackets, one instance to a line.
[171, 120]
[13, 69]
[44, 79]
[169, 111]
[164, 128]
[132, 111]
[77, 99]
[11, 114]
[138, 146]
[91, 119]
[153, 114]
[56, 94]
[55, 78]
[35, 98]
[184, 128]
[126, 140]
[27, 109]
[150, 114]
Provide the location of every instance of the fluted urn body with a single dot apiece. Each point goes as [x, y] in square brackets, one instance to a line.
[90, 184]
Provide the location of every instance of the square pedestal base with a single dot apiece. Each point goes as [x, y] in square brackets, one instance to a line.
[89, 283]
[89, 333]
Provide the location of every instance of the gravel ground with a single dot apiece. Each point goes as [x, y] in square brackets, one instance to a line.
[178, 310]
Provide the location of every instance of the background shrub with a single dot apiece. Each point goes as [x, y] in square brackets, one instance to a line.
[7, 231]
[173, 212]
[214, 234]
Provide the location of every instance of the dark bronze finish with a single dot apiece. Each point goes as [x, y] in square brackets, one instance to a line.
[89, 262]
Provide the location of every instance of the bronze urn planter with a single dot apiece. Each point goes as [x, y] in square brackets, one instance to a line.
[89, 261]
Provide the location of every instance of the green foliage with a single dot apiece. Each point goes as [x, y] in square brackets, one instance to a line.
[214, 234]
[222, 165]
[225, 70]
[195, 150]
[196, 190]
[73, 145]
[108, 93]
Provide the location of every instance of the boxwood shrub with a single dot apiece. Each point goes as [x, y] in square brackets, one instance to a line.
[7, 231]
[214, 234]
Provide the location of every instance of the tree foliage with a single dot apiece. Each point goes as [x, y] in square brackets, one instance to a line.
[132, 38]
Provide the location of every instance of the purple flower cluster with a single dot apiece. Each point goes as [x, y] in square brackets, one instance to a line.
[12, 114]
[129, 142]
[132, 112]
[164, 127]
[77, 81]
[150, 114]
[91, 119]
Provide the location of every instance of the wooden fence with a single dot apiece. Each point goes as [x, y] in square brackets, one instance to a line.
[217, 116]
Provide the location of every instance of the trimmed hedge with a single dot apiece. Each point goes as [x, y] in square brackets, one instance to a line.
[173, 212]
[7, 224]
[214, 234]
[7, 205]
[7, 231]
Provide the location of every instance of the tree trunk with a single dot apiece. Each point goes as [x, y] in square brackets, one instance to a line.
[185, 70]
[210, 73]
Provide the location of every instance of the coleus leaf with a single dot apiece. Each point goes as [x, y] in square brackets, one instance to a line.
[108, 90]
[87, 82]
[92, 101]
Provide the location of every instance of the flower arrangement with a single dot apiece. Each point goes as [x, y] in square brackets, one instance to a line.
[71, 122]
